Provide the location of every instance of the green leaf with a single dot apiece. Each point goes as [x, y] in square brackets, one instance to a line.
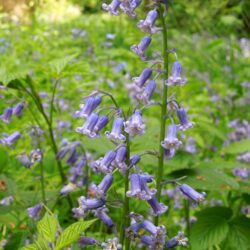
[60, 64]
[29, 247]
[47, 226]
[239, 233]
[72, 233]
[237, 147]
[15, 241]
[7, 76]
[211, 228]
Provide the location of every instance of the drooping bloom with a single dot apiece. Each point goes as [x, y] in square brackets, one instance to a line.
[147, 25]
[243, 173]
[157, 208]
[11, 139]
[120, 159]
[17, 110]
[132, 231]
[87, 108]
[144, 76]
[184, 123]
[178, 240]
[34, 212]
[36, 155]
[129, 6]
[76, 171]
[104, 164]
[6, 116]
[171, 141]
[88, 127]
[134, 160]
[141, 47]
[73, 156]
[24, 160]
[176, 78]
[7, 200]
[101, 123]
[70, 187]
[147, 93]
[112, 8]
[101, 213]
[103, 187]
[191, 193]
[87, 241]
[135, 126]
[116, 132]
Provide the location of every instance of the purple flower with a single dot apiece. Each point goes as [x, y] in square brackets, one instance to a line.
[147, 25]
[120, 159]
[135, 126]
[104, 165]
[101, 123]
[87, 108]
[171, 141]
[111, 244]
[87, 241]
[7, 200]
[88, 128]
[11, 139]
[141, 47]
[6, 116]
[179, 240]
[24, 160]
[77, 170]
[158, 208]
[102, 215]
[135, 186]
[129, 7]
[133, 231]
[116, 132]
[147, 93]
[190, 146]
[134, 160]
[176, 79]
[34, 212]
[73, 156]
[17, 110]
[89, 204]
[70, 187]
[36, 155]
[184, 123]
[112, 8]
[191, 193]
[144, 76]
[169, 153]
[103, 187]
[241, 172]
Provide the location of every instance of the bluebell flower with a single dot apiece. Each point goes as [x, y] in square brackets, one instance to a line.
[132, 232]
[191, 193]
[70, 187]
[141, 47]
[144, 76]
[120, 160]
[176, 78]
[104, 164]
[10, 139]
[134, 160]
[7, 201]
[90, 204]
[171, 141]
[36, 155]
[101, 123]
[135, 186]
[86, 109]
[146, 95]
[179, 240]
[116, 132]
[135, 126]
[157, 208]
[34, 212]
[73, 156]
[129, 6]
[169, 153]
[88, 127]
[87, 241]
[103, 187]
[102, 215]
[76, 171]
[112, 8]
[184, 123]
[147, 25]
[24, 160]
[17, 110]
[6, 116]
[111, 244]
[243, 173]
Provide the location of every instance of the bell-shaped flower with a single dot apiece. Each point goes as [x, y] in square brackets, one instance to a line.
[112, 8]
[176, 78]
[116, 132]
[147, 25]
[171, 141]
[141, 47]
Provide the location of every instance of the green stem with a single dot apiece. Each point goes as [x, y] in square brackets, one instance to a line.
[125, 222]
[160, 169]
[42, 182]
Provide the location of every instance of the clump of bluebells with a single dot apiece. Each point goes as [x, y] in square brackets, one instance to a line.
[124, 126]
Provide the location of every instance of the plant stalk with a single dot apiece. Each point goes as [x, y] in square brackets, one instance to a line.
[160, 169]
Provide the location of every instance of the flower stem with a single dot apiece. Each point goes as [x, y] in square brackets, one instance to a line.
[160, 169]
[125, 222]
